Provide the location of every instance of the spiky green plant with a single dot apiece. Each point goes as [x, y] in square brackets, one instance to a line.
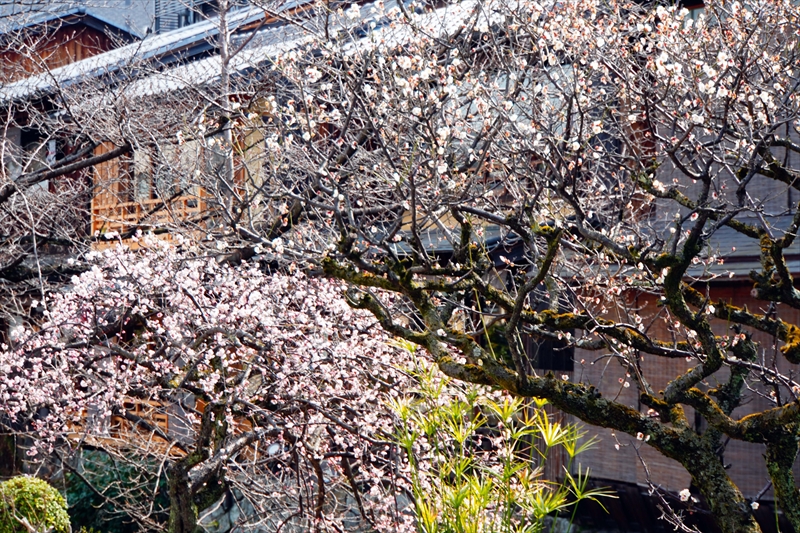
[475, 458]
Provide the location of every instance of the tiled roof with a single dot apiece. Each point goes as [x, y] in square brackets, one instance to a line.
[267, 45]
[164, 48]
[130, 16]
[741, 254]
[271, 41]
[178, 44]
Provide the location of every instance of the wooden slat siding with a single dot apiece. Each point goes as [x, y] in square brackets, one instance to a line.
[114, 209]
[557, 458]
[122, 216]
[747, 470]
[124, 434]
[106, 188]
[121, 433]
[151, 412]
[69, 43]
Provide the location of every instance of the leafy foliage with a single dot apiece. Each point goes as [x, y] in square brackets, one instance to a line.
[477, 458]
[282, 378]
[31, 505]
[470, 169]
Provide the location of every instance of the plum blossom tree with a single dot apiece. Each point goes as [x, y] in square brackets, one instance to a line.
[215, 378]
[531, 169]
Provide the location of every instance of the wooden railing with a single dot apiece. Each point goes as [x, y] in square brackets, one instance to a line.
[123, 216]
[149, 427]
[139, 432]
[150, 412]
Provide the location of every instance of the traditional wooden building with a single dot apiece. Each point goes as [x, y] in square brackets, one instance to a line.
[40, 42]
[142, 188]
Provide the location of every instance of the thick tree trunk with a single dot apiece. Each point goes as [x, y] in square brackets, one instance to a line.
[10, 464]
[726, 502]
[182, 510]
[780, 456]
[190, 494]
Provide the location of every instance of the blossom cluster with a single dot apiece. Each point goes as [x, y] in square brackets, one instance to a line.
[280, 354]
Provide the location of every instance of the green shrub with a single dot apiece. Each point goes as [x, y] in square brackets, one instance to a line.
[28, 499]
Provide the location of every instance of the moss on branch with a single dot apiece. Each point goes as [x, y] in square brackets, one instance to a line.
[780, 457]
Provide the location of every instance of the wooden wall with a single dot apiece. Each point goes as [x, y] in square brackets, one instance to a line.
[747, 466]
[116, 207]
[49, 48]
